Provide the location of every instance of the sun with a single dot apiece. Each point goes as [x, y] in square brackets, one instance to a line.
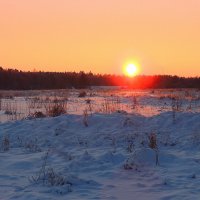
[131, 70]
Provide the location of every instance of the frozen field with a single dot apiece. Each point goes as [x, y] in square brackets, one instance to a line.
[16, 105]
[107, 144]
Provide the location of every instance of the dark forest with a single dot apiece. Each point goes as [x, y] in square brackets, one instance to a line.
[12, 79]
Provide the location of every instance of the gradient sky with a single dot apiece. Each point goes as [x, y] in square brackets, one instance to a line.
[163, 36]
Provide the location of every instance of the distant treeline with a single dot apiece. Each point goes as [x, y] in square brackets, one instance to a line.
[18, 80]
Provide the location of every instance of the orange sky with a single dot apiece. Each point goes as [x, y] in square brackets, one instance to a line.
[163, 36]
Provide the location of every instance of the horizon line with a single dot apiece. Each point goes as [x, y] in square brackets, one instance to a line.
[97, 73]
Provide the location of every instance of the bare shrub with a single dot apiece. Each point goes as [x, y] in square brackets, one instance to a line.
[53, 178]
[153, 145]
[33, 103]
[32, 146]
[89, 105]
[10, 109]
[176, 107]
[106, 108]
[82, 94]
[111, 105]
[85, 118]
[176, 104]
[134, 102]
[130, 144]
[39, 114]
[49, 177]
[55, 109]
[130, 164]
[5, 146]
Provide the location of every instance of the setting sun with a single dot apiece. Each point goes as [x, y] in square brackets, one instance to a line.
[131, 70]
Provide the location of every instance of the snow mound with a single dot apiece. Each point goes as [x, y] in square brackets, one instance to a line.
[109, 159]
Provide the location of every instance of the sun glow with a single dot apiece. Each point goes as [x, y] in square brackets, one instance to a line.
[131, 70]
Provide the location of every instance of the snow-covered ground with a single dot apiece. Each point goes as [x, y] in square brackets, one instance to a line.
[16, 105]
[106, 153]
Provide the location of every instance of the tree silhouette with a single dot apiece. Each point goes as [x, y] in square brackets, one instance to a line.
[12, 79]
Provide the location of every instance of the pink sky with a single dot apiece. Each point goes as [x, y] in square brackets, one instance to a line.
[101, 35]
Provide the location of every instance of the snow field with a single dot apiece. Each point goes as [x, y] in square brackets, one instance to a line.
[91, 159]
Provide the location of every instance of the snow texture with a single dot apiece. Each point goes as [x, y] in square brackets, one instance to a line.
[110, 158]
